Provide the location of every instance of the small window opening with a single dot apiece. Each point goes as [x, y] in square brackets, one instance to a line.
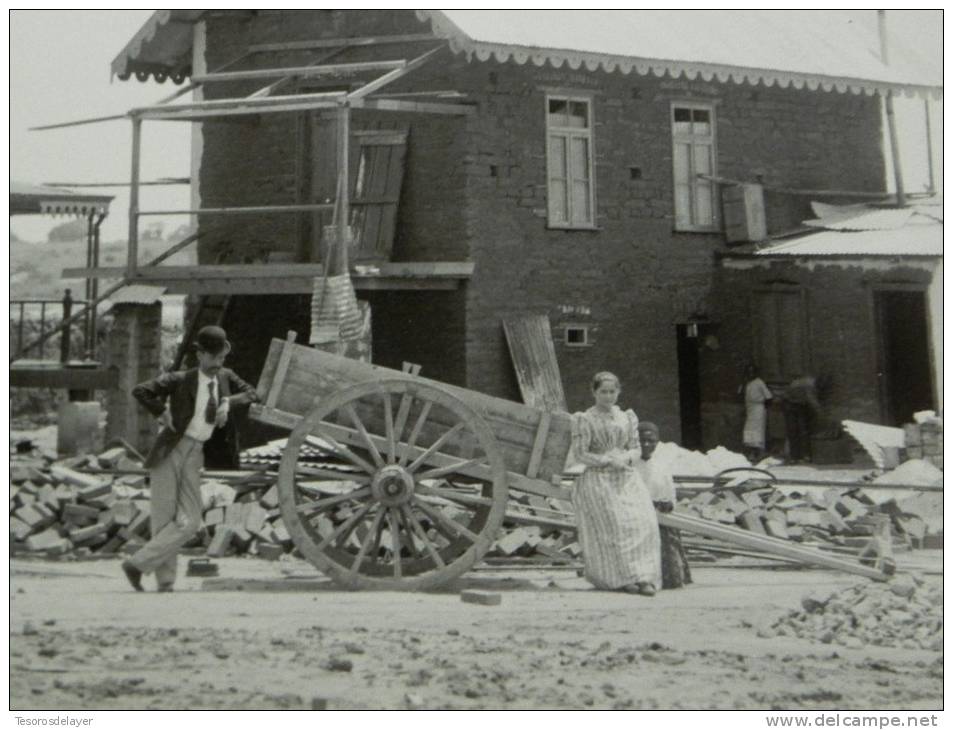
[577, 336]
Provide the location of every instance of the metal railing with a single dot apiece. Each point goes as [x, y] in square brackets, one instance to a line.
[23, 323]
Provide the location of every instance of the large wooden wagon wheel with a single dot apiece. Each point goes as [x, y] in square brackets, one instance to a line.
[417, 506]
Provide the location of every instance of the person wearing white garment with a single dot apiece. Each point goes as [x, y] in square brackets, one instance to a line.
[191, 405]
[617, 527]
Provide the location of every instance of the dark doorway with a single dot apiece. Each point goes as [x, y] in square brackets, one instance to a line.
[906, 382]
[689, 385]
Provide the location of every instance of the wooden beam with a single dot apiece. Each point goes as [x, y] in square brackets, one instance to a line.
[132, 251]
[268, 90]
[340, 42]
[774, 545]
[25, 375]
[222, 114]
[338, 69]
[253, 209]
[244, 102]
[388, 78]
[418, 107]
[251, 279]
[409, 269]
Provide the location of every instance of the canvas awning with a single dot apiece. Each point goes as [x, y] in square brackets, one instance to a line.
[33, 199]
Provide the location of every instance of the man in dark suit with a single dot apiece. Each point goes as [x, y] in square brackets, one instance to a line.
[195, 409]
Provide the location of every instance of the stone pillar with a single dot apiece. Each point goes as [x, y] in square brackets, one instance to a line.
[134, 346]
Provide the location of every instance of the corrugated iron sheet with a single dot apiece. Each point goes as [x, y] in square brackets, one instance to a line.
[814, 49]
[817, 49]
[912, 240]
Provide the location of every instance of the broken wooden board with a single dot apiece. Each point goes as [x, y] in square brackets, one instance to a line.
[764, 543]
[273, 585]
[530, 339]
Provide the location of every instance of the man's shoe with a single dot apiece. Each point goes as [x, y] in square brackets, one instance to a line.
[164, 588]
[133, 574]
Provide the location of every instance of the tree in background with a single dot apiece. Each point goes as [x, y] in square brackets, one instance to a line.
[74, 230]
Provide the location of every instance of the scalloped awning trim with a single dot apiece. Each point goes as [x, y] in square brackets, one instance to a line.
[462, 44]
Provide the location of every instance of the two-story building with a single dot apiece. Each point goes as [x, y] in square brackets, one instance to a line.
[572, 164]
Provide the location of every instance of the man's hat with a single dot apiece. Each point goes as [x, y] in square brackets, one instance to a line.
[212, 339]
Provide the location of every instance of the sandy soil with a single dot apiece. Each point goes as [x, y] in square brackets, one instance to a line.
[81, 639]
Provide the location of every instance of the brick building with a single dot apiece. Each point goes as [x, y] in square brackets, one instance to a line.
[566, 171]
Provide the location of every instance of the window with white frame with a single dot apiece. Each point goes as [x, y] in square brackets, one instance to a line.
[693, 154]
[569, 162]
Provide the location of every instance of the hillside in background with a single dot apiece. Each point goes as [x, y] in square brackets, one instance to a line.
[36, 268]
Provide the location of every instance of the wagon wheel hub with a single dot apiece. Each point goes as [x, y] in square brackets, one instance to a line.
[392, 485]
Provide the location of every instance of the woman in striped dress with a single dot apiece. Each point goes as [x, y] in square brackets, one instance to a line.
[618, 530]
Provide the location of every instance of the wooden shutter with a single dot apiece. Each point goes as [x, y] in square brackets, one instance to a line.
[780, 328]
[377, 175]
[376, 167]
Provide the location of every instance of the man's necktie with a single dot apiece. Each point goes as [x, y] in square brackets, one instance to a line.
[211, 407]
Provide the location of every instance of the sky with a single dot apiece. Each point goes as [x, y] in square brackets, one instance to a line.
[59, 71]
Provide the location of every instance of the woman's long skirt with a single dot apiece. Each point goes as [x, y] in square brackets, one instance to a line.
[618, 529]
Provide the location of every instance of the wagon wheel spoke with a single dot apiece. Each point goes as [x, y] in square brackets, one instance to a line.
[408, 535]
[368, 539]
[418, 529]
[389, 428]
[415, 432]
[346, 527]
[457, 466]
[365, 437]
[321, 504]
[332, 475]
[467, 499]
[394, 541]
[435, 447]
[444, 523]
[403, 412]
[342, 450]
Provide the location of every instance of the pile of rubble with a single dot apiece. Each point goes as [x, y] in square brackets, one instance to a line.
[904, 613]
[846, 519]
[59, 508]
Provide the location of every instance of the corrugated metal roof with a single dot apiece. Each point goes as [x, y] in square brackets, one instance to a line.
[27, 199]
[817, 49]
[920, 237]
[813, 49]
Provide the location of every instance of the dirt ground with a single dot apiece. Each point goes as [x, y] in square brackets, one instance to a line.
[82, 639]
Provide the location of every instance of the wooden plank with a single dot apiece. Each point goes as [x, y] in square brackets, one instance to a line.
[337, 69]
[312, 373]
[60, 377]
[340, 42]
[538, 445]
[240, 102]
[281, 370]
[145, 274]
[531, 346]
[391, 77]
[772, 545]
[416, 107]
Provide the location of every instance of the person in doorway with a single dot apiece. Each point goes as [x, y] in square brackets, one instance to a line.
[192, 406]
[802, 411]
[757, 396]
[618, 530]
[661, 486]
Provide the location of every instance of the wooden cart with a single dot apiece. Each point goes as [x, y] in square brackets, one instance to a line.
[405, 439]
[427, 472]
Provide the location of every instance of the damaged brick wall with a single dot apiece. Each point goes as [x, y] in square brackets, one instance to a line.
[475, 188]
[842, 336]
